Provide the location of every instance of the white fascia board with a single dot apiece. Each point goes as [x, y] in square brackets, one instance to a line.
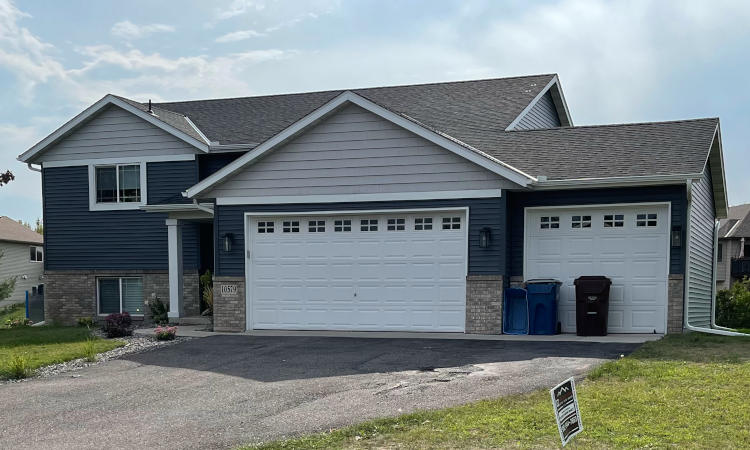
[198, 130]
[448, 143]
[122, 160]
[108, 99]
[644, 180]
[717, 139]
[169, 207]
[349, 198]
[553, 83]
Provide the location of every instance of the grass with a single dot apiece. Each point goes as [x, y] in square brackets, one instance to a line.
[24, 349]
[12, 312]
[744, 330]
[687, 390]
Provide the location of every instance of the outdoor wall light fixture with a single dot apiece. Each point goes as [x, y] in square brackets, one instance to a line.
[676, 237]
[228, 238]
[485, 237]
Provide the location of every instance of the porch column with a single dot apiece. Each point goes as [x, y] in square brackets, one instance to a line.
[174, 245]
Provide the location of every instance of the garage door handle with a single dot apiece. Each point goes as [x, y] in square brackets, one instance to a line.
[591, 312]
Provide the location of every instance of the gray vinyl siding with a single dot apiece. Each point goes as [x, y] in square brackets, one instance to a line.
[701, 253]
[355, 151]
[79, 239]
[485, 212]
[517, 201]
[542, 115]
[15, 261]
[115, 132]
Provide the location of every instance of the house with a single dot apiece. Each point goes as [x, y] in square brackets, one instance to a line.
[404, 208]
[733, 248]
[21, 257]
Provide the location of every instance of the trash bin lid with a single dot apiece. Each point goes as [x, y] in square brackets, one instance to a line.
[592, 284]
[543, 280]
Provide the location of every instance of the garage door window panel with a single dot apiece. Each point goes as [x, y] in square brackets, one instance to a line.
[290, 226]
[614, 220]
[265, 227]
[646, 220]
[343, 225]
[368, 225]
[423, 223]
[549, 222]
[398, 224]
[316, 226]
[580, 222]
[451, 223]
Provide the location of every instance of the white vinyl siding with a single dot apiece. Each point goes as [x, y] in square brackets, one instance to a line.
[701, 253]
[15, 262]
[357, 152]
[115, 132]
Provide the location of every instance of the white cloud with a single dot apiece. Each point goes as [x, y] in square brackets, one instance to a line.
[238, 7]
[129, 31]
[238, 36]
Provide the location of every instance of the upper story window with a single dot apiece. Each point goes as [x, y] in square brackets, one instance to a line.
[117, 186]
[36, 253]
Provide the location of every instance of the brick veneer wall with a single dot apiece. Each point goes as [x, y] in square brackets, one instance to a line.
[229, 309]
[191, 297]
[675, 303]
[484, 300]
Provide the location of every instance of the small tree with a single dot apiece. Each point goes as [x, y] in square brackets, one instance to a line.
[39, 228]
[6, 177]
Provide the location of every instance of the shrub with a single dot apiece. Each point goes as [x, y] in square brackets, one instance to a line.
[85, 322]
[17, 323]
[733, 305]
[207, 293]
[18, 366]
[118, 325]
[165, 333]
[159, 310]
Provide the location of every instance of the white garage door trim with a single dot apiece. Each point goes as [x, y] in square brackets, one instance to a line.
[668, 205]
[248, 217]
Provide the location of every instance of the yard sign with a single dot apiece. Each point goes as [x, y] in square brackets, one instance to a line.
[567, 414]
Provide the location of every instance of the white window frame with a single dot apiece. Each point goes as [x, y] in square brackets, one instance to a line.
[36, 250]
[116, 206]
[646, 220]
[119, 282]
[614, 220]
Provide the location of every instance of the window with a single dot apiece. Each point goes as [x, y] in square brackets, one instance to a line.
[396, 224]
[614, 220]
[645, 220]
[580, 222]
[265, 227]
[120, 183]
[547, 222]
[316, 226]
[451, 223]
[368, 225]
[342, 225]
[423, 223]
[719, 252]
[36, 253]
[290, 226]
[120, 294]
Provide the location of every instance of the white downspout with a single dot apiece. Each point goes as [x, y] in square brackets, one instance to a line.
[686, 324]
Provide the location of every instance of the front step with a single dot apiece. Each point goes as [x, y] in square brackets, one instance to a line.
[195, 320]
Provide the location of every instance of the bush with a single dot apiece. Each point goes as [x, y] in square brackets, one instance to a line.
[18, 366]
[17, 323]
[207, 293]
[89, 350]
[165, 333]
[733, 305]
[85, 322]
[118, 325]
[159, 310]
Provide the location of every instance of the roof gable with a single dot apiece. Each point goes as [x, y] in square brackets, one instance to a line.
[550, 102]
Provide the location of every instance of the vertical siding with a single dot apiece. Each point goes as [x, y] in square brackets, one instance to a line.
[355, 151]
[487, 212]
[79, 239]
[517, 201]
[16, 262]
[701, 250]
[542, 115]
[115, 132]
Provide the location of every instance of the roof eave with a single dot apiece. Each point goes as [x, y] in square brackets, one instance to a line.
[640, 180]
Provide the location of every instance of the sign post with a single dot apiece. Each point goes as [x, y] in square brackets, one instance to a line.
[567, 414]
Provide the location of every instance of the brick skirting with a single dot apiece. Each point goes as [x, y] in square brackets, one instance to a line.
[484, 304]
[230, 306]
[675, 303]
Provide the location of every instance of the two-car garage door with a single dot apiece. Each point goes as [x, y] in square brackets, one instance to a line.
[628, 244]
[359, 271]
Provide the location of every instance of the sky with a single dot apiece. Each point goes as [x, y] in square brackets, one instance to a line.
[618, 61]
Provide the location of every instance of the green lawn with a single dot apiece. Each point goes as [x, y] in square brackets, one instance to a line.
[17, 311]
[744, 330]
[42, 346]
[688, 390]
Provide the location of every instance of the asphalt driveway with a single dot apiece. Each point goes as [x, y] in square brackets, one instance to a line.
[223, 391]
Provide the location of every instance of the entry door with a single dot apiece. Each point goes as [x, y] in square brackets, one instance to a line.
[367, 272]
[628, 244]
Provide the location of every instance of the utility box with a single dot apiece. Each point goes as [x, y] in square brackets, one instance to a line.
[592, 305]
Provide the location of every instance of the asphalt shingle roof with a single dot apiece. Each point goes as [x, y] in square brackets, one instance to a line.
[741, 214]
[12, 231]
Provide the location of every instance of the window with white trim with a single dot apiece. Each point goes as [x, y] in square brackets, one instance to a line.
[36, 253]
[423, 223]
[396, 224]
[120, 294]
[290, 226]
[614, 220]
[643, 220]
[547, 222]
[451, 223]
[118, 183]
[265, 227]
[342, 225]
[316, 226]
[368, 225]
[580, 222]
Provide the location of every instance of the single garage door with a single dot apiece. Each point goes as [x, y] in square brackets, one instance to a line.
[366, 271]
[628, 244]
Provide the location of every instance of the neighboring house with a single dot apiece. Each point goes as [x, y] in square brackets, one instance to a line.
[22, 258]
[394, 208]
[733, 249]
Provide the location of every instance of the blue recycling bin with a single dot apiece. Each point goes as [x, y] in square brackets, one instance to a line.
[542, 298]
[515, 311]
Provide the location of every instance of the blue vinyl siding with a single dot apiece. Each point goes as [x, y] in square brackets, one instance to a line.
[486, 212]
[541, 115]
[167, 180]
[211, 163]
[517, 201]
[79, 239]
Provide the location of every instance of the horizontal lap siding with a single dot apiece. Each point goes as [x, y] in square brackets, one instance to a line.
[356, 151]
[211, 163]
[489, 212]
[701, 248]
[517, 201]
[15, 261]
[542, 115]
[167, 181]
[79, 239]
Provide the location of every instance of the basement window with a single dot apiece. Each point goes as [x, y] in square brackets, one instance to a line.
[120, 294]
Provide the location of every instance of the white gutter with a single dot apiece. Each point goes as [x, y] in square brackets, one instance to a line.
[33, 168]
[614, 181]
[686, 324]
